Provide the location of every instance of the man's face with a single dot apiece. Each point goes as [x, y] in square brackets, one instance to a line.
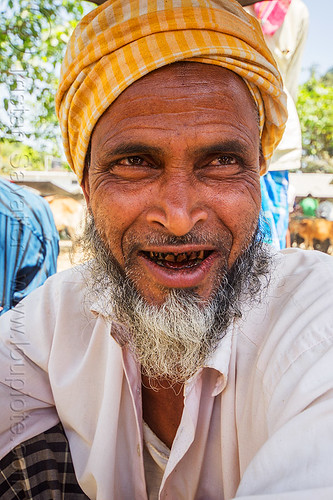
[174, 178]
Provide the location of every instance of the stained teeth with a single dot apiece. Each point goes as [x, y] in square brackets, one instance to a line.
[181, 257]
[170, 257]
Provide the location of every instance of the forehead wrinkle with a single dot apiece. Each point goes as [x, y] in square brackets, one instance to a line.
[147, 119]
[152, 105]
[181, 81]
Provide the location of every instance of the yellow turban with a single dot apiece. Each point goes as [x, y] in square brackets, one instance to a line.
[123, 40]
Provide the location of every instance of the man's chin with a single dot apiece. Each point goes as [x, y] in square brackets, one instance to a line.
[157, 296]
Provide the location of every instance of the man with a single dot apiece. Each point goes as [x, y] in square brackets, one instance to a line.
[29, 243]
[185, 360]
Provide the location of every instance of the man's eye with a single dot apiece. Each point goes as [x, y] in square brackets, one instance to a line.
[132, 168]
[133, 161]
[224, 160]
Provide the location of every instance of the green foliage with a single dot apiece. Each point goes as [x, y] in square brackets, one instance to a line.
[315, 110]
[16, 157]
[327, 79]
[33, 37]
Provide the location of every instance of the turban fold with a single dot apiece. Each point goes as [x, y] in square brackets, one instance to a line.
[123, 40]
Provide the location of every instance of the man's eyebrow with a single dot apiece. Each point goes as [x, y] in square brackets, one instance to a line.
[129, 149]
[229, 146]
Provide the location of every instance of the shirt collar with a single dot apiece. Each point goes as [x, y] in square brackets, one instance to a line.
[219, 361]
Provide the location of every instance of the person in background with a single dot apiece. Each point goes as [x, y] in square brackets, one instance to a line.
[325, 210]
[285, 26]
[29, 243]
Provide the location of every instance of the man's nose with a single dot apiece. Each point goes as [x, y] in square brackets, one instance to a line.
[177, 208]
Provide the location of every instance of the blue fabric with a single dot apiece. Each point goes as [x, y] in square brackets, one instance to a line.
[29, 243]
[274, 207]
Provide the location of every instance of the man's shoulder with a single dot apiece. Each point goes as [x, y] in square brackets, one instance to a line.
[71, 282]
[77, 274]
[59, 309]
[301, 280]
[298, 314]
[61, 294]
[297, 304]
[309, 255]
[310, 265]
[292, 327]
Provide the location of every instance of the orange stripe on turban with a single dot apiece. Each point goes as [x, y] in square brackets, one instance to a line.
[123, 40]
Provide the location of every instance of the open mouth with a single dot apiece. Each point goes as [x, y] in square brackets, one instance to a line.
[173, 260]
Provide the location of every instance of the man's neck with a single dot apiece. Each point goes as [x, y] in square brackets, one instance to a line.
[162, 408]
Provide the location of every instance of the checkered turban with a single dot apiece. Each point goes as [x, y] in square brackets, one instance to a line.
[123, 40]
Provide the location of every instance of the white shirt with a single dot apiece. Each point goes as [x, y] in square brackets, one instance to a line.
[268, 392]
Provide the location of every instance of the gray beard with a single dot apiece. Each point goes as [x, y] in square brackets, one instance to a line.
[173, 340]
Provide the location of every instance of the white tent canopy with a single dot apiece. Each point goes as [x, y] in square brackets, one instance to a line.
[318, 185]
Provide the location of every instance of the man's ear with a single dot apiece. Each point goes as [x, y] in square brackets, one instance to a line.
[85, 187]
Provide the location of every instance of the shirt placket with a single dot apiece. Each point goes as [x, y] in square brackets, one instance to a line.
[185, 433]
[133, 377]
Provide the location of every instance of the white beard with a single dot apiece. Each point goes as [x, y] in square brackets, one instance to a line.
[173, 340]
